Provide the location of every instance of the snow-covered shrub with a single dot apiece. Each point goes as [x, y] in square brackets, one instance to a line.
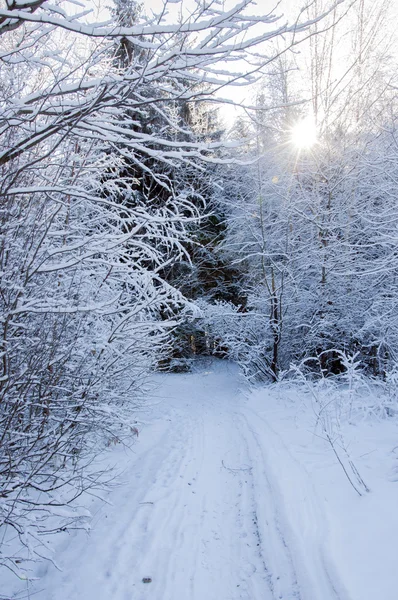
[332, 401]
[80, 331]
[391, 391]
[242, 336]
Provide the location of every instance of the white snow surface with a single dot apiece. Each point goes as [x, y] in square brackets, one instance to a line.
[229, 495]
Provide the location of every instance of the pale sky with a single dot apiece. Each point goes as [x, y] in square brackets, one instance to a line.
[288, 8]
[236, 94]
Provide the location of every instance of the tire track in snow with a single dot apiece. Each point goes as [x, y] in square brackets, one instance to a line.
[304, 530]
[158, 533]
[273, 549]
[263, 513]
[167, 532]
[127, 531]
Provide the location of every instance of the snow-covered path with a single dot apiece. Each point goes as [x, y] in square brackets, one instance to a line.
[201, 513]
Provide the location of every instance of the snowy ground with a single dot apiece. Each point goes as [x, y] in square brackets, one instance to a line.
[230, 495]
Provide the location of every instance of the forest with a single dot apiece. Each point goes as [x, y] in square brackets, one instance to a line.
[182, 179]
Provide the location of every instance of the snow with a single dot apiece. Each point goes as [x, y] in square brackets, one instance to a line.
[354, 537]
[229, 494]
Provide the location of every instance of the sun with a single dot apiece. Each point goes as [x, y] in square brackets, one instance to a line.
[304, 133]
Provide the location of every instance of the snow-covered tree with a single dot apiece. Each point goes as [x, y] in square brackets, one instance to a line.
[99, 171]
[302, 220]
